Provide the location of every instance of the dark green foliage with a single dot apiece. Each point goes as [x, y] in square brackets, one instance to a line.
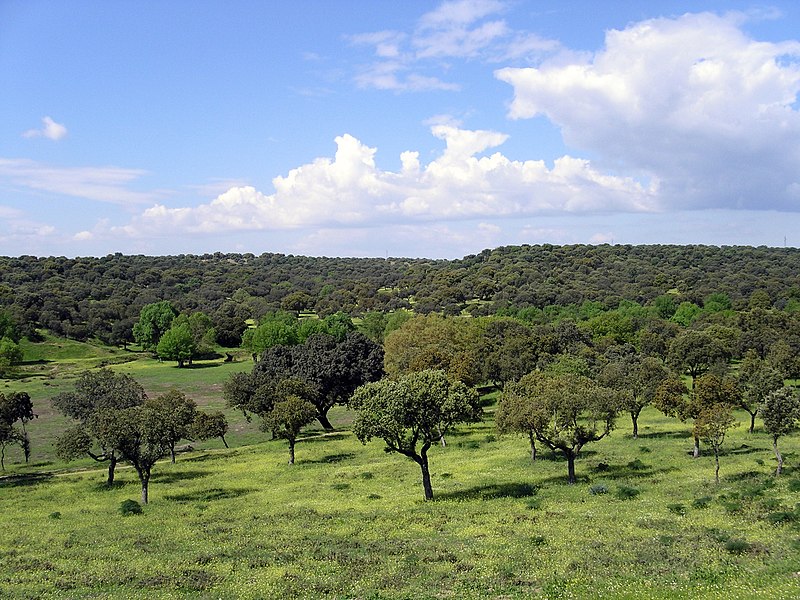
[737, 546]
[626, 492]
[209, 425]
[702, 502]
[130, 507]
[154, 321]
[677, 508]
[598, 489]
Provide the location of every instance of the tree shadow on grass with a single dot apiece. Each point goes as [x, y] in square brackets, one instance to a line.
[174, 476]
[632, 470]
[490, 492]
[321, 436]
[331, 458]
[205, 457]
[209, 495]
[24, 480]
[663, 435]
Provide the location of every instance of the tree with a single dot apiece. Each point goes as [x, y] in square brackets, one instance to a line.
[140, 434]
[711, 425]
[418, 408]
[434, 342]
[509, 350]
[177, 412]
[209, 425]
[638, 379]
[274, 329]
[288, 417]
[709, 390]
[96, 392]
[9, 436]
[757, 379]
[334, 369]
[694, 352]
[566, 411]
[177, 344]
[154, 320]
[10, 354]
[17, 406]
[781, 413]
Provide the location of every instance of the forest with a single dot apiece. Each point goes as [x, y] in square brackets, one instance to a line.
[565, 384]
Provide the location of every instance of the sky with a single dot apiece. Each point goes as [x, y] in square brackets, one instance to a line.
[364, 128]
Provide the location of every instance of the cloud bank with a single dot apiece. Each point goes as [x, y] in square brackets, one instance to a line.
[692, 102]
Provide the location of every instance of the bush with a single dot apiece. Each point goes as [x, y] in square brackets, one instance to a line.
[130, 507]
[781, 517]
[625, 492]
[55, 515]
[678, 509]
[737, 546]
[702, 502]
[598, 489]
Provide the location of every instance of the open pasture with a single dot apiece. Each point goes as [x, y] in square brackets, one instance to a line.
[645, 520]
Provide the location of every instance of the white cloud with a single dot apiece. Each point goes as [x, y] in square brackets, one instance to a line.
[351, 190]
[101, 184]
[50, 130]
[456, 29]
[692, 103]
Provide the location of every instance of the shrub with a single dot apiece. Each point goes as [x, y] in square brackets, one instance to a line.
[625, 492]
[637, 465]
[54, 515]
[598, 489]
[701, 502]
[781, 517]
[130, 507]
[678, 509]
[737, 546]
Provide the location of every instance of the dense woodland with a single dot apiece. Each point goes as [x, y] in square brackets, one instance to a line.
[84, 298]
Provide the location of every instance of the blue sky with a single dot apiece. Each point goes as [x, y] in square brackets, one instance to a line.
[355, 128]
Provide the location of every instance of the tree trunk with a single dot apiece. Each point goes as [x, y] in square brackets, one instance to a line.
[145, 484]
[779, 470]
[291, 452]
[752, 422]
[3, 458]
[323, 420]
[441, 437]
[112, 464]
[422, 459]
[172, 452]
[222, 437]
[533, 446]
[571, 467]
[635, 420]
[696, 448]
[716, 461]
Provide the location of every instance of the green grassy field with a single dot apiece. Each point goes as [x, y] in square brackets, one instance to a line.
[348, 521]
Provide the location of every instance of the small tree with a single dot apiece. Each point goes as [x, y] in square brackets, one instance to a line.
[95, 392]
[154, 320]
[781, 413]
[141, 436]
[757, 379]
[418, 408]
[566, 411]
[177, 344]
[178, 413]
[209, 425]
[17, 407]
[711, 425]
[288, 417]
[9, 436]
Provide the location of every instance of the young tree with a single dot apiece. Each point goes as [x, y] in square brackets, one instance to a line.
[694, 352]
[9, 436]
[514, 415]
[17, 406]
[101, 391]
[140, 434]
[177, 344]
[178, 413]
[418, 408]
[154, 320]
[209, 425]
[288, 417]
[566, 411]
[757, 379]
[638, 379]
[10, 354]
[781, 413]
[711, 425]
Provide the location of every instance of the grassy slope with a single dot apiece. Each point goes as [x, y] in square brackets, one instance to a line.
[348, 521]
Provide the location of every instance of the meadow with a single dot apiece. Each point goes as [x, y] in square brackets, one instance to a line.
[645, 520]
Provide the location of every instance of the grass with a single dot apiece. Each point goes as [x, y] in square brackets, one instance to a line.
[348, 521]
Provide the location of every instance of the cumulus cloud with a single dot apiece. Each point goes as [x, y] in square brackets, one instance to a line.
[49, 129]
[692, 103]
[101, 184]
[463, 182]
